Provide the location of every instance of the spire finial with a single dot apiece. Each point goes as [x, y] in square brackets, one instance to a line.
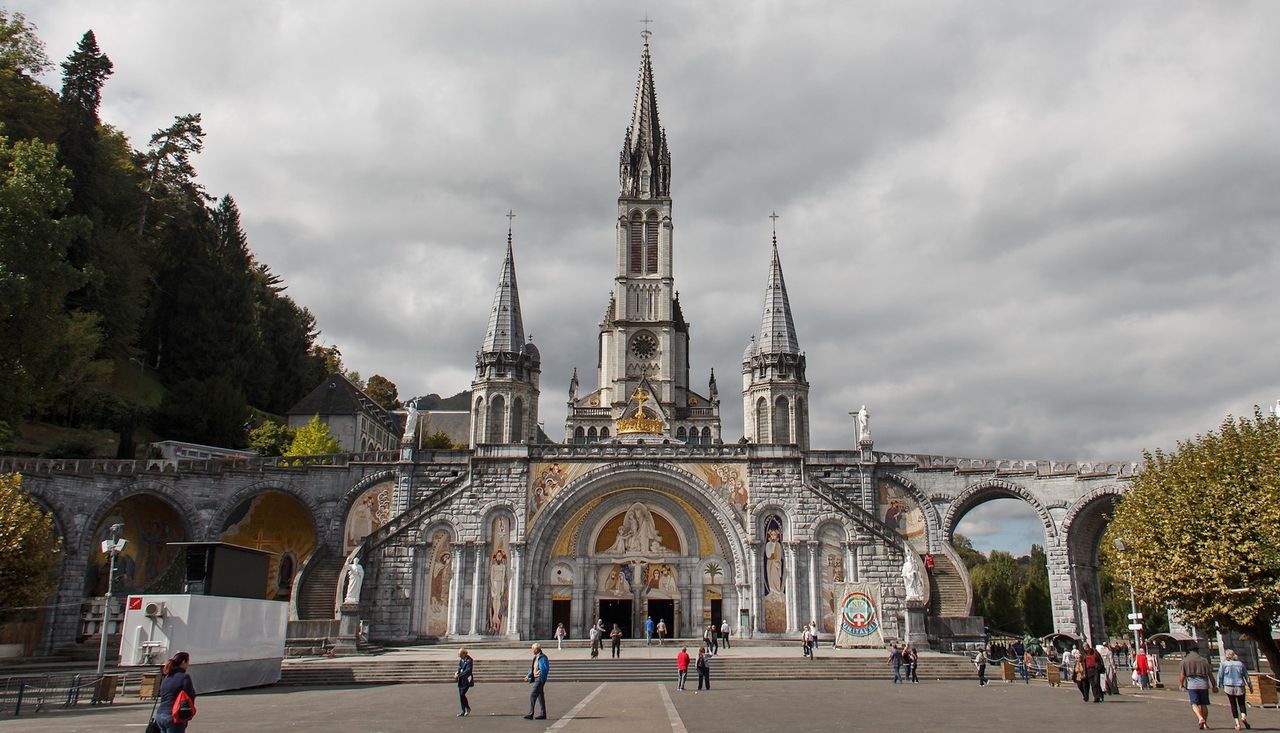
[774, 216]
[511, 214]
[646, 32]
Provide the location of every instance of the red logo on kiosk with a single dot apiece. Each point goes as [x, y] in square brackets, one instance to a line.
[135, 603]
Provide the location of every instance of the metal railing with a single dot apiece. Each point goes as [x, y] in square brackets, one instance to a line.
[28, 694]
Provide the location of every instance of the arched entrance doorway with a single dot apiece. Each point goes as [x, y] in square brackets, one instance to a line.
[275, 522]
[626, 546]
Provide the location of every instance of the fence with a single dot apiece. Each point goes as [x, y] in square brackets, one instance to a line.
[28, 694]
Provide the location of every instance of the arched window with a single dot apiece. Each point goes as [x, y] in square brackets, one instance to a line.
[762, 420]
[604, 433]
[477, 422]
[781, 421]
[802, 423]
[517, 421]
[706, 436]
[681, 433]
[591, 435]
[493, 424]
[635, 231]
[651, 244]
[580, 437]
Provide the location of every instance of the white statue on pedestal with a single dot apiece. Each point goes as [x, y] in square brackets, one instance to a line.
[355, 579]
[411, 426]
[864, 425]
[913, 575]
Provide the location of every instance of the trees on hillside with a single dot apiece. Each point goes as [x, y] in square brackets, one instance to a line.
[1200, 529]
[111, 256]
[383, 391]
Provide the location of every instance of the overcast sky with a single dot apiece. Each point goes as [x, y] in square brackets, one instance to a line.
[1026, 230]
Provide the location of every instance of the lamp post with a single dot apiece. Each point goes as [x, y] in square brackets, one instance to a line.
[112, 547]
[1135, 618]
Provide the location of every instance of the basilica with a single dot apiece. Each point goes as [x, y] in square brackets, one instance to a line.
[642, 511]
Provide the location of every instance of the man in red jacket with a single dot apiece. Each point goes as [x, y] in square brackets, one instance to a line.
[682, 668]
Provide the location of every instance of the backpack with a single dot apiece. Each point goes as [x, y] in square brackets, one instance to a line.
[184, 708]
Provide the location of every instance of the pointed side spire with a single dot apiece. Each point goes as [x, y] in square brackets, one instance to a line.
[644, 168]
[506, 327]
[777, 331]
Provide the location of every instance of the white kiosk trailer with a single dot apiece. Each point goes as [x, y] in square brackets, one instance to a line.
[234, 635]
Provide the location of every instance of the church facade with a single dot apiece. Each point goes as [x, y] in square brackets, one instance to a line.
[643, 511]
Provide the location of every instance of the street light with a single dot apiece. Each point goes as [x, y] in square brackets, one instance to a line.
[112, 547]
[1135, 618]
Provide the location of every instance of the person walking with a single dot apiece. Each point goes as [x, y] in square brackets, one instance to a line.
[1233, 678]
[616, 637]
[912, 658]
[682, 668]
[648, 631]
[1068, 665]
[465, 677]
[895, 661]
[1093, 672]
[662, 631]
[594, 635]
[1196, 677]
[704, 669]
[560, 634]
[1142, 666]
[724, 632]
[709, 639]
[1108, 670]
[813, 642]
[175, 682]
[1027, 661]
[537, 677]
[980, 661]
[804, 640]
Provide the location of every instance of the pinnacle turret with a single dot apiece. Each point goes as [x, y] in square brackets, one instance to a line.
[506, 327]
[777, 331]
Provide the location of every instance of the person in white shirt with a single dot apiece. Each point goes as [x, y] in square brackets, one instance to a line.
[724, 633]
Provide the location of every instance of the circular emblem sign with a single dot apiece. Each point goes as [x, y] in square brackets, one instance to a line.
[858, 615]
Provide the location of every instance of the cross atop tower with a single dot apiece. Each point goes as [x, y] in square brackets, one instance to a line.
[511, 215]
[774, 216]
[646, 32]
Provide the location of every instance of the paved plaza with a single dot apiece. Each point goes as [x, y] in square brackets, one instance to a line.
[633, 707]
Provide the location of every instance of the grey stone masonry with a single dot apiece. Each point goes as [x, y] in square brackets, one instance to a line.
[808, 489]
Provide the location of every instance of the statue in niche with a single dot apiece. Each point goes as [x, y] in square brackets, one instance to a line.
[638, 534]
[913, 574]
[355, 579]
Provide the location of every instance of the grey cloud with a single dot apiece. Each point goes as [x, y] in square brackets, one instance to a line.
[1020, 230]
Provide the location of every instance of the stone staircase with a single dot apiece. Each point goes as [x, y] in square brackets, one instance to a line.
[947, 596]
[347, 671]
[315, 599]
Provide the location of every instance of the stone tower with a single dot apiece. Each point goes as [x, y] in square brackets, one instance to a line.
[643, 336]
[504, 394]
[775, 393]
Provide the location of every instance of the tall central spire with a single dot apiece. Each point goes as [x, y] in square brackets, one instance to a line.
[644, 166]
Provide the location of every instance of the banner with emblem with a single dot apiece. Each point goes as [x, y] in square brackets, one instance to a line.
[858, 619]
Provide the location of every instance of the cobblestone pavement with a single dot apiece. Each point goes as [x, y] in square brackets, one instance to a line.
[640, 707]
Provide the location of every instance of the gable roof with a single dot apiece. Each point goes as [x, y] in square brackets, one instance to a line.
[337, 395]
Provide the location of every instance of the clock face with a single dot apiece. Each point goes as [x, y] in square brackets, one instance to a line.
[644, 346]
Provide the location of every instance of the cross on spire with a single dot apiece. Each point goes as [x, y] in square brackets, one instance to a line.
[511, 215]
[646, 32]
[774, 216]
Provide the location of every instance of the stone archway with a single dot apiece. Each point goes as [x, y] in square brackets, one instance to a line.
[149, 522]
[697, 561]
[1082, 530]
[277, 522]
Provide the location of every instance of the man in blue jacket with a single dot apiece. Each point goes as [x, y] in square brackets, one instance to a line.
[538, 678]
[648, 631]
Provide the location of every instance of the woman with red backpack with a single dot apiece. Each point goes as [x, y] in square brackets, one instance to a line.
[177, 704]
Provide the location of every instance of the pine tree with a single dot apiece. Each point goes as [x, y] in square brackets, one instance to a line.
[83, 74]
